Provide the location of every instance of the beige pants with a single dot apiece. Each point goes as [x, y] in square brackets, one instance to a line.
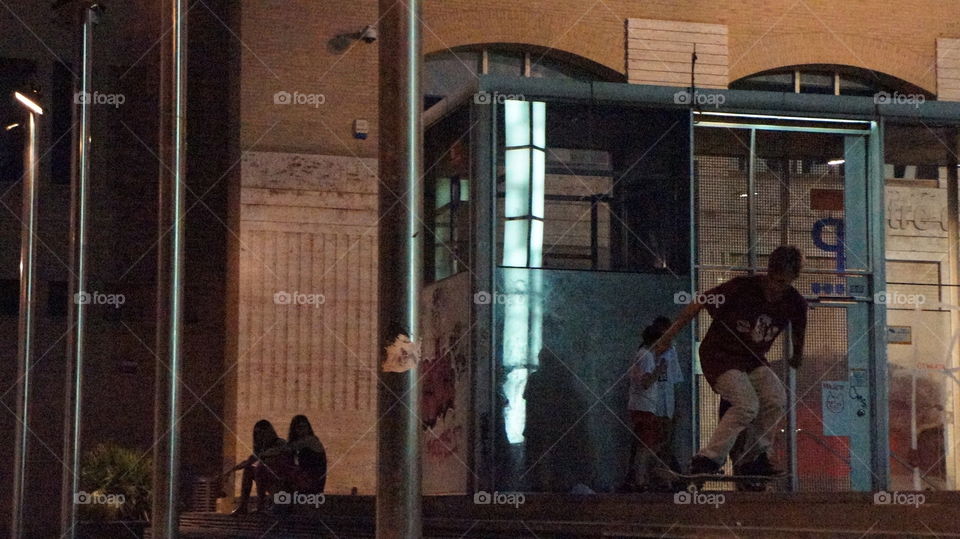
[757, 403]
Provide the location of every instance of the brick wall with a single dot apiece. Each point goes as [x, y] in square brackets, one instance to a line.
[308, 227]
[948, 69]
[660, 52]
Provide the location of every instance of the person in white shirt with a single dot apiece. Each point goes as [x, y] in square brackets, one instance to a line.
[651, 404]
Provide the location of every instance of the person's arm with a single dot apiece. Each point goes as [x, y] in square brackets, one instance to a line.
[686, 315]
[250, 460]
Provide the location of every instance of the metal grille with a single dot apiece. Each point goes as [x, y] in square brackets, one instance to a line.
[784, 214]
[822, 461]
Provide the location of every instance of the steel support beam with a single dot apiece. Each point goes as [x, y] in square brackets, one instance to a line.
[171, 230]
[25, 326]
[88, 15]
[400, 276]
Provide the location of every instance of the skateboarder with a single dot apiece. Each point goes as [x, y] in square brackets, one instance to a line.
[748, 314]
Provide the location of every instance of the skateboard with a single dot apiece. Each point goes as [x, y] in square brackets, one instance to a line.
[743, 482]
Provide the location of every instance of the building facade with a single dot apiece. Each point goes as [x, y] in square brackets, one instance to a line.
[282, 230]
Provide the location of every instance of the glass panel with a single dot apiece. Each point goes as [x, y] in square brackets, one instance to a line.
[564, 350]
[447, 215]
[813, 82]
[769, 82]
[517, 164]
[799, 200]
[549, 68]
[604, 188]
[851, 85]
[922, 299]
[505, 63]
[515, 240]
[516, 126]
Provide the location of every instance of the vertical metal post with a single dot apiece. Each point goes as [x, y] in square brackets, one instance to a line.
[28, 219]
[951, 292]
[80, 172]
[694, 335]
[791, 383]
[483, 259]
[172, 142]
[877, 314]
[752, 203]
[594, 232]
[790, 376]
[400, 207]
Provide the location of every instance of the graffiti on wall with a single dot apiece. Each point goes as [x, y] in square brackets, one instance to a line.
[445, 386]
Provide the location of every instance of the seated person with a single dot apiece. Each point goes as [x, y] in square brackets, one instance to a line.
[271, 460]
[309, 475]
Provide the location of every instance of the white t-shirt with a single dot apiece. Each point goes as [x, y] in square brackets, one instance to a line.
[658, 399]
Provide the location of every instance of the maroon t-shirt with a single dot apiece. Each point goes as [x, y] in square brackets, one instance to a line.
[745, 325]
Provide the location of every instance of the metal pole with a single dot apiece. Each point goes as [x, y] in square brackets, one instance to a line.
[693, 253]
[791, 391]
[790, 376]
[752, 204]
[25, 326]
[73, 394]
[172, 142]
[398, 445]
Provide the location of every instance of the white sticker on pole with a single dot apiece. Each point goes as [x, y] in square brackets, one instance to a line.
[402, 355]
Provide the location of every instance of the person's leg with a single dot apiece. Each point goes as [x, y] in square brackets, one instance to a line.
[246, 485]
[772, 403]
[735, 387]
[260, 478]
[630, 481]
[660, 472]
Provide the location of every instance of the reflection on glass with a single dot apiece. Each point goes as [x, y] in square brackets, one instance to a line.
[922, 300]
[523, 247]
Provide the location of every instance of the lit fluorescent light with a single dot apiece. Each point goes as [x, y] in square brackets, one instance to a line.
[835, 162]
[12, 126]
[28, 102]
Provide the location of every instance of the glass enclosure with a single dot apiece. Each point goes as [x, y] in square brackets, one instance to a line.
[570, 224]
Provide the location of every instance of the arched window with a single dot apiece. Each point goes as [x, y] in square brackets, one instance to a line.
[826, 79]
[447, 71]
